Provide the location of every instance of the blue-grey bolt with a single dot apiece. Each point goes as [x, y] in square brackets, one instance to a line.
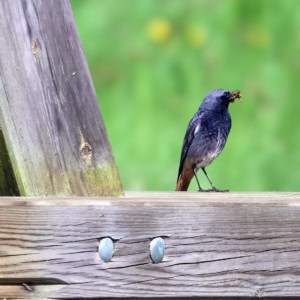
[157, 250]
[106, 249]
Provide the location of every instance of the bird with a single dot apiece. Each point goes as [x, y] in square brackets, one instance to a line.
[205, 137]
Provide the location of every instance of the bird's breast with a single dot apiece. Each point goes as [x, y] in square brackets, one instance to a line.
[212, 146]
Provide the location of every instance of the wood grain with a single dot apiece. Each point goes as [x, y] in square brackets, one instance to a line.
[50, 117]
[235, 245]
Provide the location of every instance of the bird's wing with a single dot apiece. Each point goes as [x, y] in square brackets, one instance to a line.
[193, 128]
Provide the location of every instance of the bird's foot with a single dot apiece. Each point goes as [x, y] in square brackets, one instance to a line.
[213, 190]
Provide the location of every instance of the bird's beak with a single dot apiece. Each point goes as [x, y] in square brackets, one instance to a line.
[235, 95]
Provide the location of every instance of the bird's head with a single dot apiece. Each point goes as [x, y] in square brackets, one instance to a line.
[220, 98]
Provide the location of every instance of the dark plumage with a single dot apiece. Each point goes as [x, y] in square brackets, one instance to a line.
[205, 137]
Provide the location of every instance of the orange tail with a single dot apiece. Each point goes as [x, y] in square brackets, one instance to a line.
[184, 179]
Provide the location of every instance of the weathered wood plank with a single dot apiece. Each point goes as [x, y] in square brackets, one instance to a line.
[23, 290]
[50, 117]
[238, 245]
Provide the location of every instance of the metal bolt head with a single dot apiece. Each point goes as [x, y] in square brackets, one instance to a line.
[106, 249]
[157, 250]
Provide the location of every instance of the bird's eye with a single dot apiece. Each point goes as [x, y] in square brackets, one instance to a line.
[226, 94]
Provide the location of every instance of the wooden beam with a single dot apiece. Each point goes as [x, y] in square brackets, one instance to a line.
[234, 245]
[49, 115]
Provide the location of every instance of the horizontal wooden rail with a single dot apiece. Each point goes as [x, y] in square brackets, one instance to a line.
[234, 245]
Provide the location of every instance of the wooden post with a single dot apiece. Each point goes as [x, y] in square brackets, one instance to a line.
[51, 122]
[217, 246]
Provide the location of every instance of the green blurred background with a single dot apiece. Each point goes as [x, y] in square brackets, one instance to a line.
[153, 61]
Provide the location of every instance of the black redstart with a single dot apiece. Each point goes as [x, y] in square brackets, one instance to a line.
[205, 137]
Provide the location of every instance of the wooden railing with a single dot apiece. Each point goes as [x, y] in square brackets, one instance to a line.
[53, 143]
[235, 245]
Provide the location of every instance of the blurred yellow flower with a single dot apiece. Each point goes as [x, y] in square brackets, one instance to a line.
[196, 36]
[159, 30]
[258, 37]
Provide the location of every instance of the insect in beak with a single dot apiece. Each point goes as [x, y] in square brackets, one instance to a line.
[235, 95]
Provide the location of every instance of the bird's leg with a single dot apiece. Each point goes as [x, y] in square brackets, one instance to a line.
[195, 173]
[213, 188]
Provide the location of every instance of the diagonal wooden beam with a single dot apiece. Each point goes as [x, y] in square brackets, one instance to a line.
[51, 122]
[237, 245]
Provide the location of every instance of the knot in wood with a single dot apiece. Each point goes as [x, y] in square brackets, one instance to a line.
[34, 47]
[85, 150]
